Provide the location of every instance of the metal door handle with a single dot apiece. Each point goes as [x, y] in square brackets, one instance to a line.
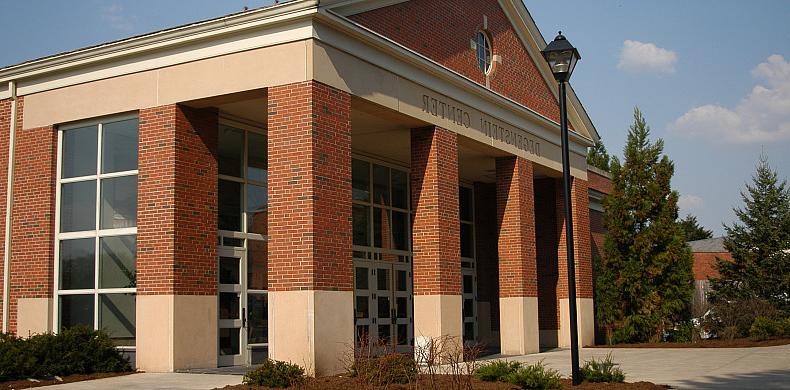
[243, 317]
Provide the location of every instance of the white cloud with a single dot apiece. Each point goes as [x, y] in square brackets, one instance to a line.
[760, 117]
[646, 57]
[114, 16]
[689, 202]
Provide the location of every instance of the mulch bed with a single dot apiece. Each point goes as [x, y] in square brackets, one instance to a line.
[446, 382]
[26, 384]
[737, 343]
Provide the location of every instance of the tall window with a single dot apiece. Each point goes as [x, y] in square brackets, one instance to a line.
[468, 263]
[97, 227]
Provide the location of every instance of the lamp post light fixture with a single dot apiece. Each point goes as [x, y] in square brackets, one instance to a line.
[562, 58]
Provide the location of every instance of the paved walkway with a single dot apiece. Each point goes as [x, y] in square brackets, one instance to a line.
[712, 368]
[689, 368]
[154, 381]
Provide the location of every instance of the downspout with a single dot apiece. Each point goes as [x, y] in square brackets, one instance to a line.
[9, 202]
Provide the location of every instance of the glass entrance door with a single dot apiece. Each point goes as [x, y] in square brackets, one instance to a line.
[383, 304]
[232, 308]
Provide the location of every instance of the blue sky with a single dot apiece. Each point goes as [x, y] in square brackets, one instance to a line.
[712, 77]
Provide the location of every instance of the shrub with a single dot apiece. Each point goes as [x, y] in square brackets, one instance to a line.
[274, 373]
[535, 376]
[76, 350]
[496, 371]
[683, 333]
[385, 369]
[603, 370]
[786, 327]
[765, 328]
[734, 319]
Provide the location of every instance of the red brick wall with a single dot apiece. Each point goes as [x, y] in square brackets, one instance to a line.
[442, 29]
[516, 226]
[486, 248]
[33, 215]
[5, 124]
[581, 234]
[435, 233]
[705, 264]
[599, 182]
[177, 201]
[546, 248]
[310, 188]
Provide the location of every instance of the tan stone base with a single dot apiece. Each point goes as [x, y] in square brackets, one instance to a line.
[176, 332]
[34, 316]
[314, 329]
[518, 324]
[437, 315]
[585, 315]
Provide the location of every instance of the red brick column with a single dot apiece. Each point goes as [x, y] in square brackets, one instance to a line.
[310, 262]
[177, 238]
[582, 259]
[32, 227]
[518, 284]
[435, 233]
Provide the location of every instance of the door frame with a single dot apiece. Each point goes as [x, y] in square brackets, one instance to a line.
[241, 323]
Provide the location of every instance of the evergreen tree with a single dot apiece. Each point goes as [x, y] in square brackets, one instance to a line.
[598, 157]
[644, 282]
[693, 230]
[759, 244]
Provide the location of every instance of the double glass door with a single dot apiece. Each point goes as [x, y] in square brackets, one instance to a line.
[243, 330]
[383, 304]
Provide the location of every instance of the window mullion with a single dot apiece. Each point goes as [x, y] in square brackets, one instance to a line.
[99, 154]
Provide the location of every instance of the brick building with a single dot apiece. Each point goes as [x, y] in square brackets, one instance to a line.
[288, 179]
[706, 254]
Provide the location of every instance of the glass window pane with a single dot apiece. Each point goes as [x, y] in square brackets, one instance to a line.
[256, 157]
[119, 146]
[381, 185]
[79, 151]
[465, 201]
[229, 306]
[257, 318]
[469, 331]
[403, 334]
[117, 317]
[361, 307]
[361, 222]
[229, 340]
[361, 278]
[75, 310]
[360, 178]
[468, 308]
[229, 205]
[229, 270]
[78, 206]
[382, 228]
[117, 262]
[469, 286]
[400, 230]
[257, 265]
[231, 151]
[383, 306]
[119, 202]
[76, 264]
[400, 189]
[257, 209]
[401, 282]
[383, 279]
[402, 307]
[467, 241]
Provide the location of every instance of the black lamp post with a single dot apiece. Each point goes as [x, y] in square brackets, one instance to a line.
[562, 58]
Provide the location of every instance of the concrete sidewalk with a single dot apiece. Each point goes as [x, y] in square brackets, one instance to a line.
[154, 381]
[688, 368]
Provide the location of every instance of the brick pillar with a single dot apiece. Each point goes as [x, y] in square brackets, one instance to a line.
[32, 228]
[435, 234]
[583, 261]
[518, 284]
[311, 319]
[177, 239]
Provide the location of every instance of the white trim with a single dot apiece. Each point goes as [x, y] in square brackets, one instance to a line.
[353, 7]
[9, 205]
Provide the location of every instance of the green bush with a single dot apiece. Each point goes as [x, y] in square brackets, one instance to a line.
[603, 370]
[786, 327]
[77, 350]
[274, 373]
[765, 328]
[386, 369]
[496, 371]
[535, 376]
